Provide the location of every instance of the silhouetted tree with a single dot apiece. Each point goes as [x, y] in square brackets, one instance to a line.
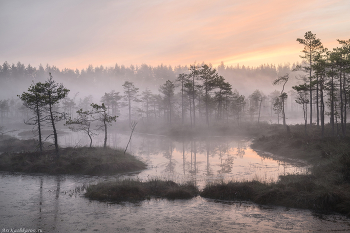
[282, 80]
[34, 100]
[193, 74]
[208, 76]
[302, 99]
[312, 46]
[182, 79]
[52, 93]
[100, 113]
[167, 90]
[146, 98]
[256, 99]
[130, 94]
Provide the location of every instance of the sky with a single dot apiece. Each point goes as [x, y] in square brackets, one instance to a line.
[76, 33]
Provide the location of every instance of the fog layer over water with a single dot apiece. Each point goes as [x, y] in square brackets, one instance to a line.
[200, 160]
[56, 203]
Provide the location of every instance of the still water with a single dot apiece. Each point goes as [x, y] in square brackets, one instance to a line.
[56, 203]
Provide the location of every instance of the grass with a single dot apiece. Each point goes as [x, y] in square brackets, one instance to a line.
[82, 160]
[135, 190]
[327, 186]
[294, 191]
[11, 144]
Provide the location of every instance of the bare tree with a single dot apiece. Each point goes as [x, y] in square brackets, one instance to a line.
[282, 80]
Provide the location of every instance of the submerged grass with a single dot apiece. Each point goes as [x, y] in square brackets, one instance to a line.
[135, 190]
[82, 160]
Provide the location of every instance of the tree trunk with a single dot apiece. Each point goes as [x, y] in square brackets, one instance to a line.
[129, 110]
[105, 141]
[345, 103]
[322, 111]
[341, 105]
[259, 110]
[39, 128]
[317, 105]
[332, 106]
[194, 109]
[54, 128]
[90, 137]
[182, 102]
[310, 79]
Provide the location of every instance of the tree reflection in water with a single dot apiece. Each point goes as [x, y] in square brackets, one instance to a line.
[196, 159]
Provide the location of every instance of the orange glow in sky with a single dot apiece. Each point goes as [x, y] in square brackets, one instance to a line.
[74, 34]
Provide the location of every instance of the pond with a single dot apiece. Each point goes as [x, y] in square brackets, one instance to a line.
[200, 160]
[56, 203]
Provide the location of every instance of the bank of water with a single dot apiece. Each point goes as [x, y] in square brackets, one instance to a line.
[57, 204]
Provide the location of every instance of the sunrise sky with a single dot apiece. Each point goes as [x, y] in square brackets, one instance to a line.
[76, 33]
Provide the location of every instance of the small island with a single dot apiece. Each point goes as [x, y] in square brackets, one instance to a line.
[20, 156]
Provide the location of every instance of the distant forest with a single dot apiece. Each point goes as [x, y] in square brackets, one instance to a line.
[95, 84]
[242, 78]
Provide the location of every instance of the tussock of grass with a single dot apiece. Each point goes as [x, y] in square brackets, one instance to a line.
[294, 191]
[83, 160]
[135, 190]
[231, 190]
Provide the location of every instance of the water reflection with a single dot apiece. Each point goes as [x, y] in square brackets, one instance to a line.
[200, 160]
[48, 203]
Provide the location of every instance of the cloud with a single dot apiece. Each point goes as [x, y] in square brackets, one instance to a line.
[77, 33]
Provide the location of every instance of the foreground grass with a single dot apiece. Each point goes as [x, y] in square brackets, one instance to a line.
[326, 188]
[135, 190]
[83, 160]
[294, 191]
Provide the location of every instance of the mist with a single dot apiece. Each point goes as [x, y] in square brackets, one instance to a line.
[94, 82]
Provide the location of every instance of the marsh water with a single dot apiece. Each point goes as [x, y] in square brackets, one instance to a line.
[56, 203]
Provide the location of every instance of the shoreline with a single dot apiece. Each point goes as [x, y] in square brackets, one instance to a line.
[325, 188]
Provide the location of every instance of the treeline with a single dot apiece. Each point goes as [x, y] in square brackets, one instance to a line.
[136, 73]
[17, 77]
[150, 77]
[326, 83]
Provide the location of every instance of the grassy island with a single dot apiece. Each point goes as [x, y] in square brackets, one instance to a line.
[19, 156]
[325, 188]
[135, 190]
